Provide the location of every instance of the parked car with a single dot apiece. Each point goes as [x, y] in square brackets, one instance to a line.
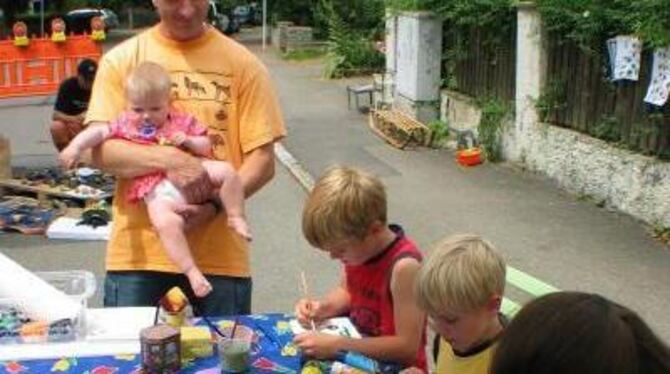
[79, 20]
[223, 22]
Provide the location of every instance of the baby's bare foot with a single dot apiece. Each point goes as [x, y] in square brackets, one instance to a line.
[200, 285]
[239, 224]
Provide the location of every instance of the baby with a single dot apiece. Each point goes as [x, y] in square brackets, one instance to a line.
[150, 119]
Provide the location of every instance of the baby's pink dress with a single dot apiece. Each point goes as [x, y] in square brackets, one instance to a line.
[129, 127]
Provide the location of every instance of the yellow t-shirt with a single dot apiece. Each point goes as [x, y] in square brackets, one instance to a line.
[476, 363]
[225, 87]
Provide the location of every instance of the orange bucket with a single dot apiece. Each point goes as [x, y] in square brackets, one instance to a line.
[469, 156]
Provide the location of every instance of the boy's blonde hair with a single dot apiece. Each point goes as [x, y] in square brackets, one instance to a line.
[148, 79]
[460, 275]
[343, 205]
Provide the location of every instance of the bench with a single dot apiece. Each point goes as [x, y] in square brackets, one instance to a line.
[356, 91]
[528, 285]
[397, 128]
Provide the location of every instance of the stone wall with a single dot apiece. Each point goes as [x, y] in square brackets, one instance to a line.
[610, 176]
[286, 37]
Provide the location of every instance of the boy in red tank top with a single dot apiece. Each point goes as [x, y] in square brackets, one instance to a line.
[345, 215]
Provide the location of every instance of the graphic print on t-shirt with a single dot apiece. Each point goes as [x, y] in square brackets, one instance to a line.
[211, 90]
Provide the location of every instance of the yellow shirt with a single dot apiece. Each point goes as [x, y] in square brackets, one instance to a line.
[476, 363]
[225, 87]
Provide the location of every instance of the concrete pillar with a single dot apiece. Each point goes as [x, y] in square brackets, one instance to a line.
[418, 62]
[390, 41]
[531, 71]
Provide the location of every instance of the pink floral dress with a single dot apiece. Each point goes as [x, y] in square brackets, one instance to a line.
[129, 126]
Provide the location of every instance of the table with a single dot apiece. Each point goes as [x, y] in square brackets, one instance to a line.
[273, 352]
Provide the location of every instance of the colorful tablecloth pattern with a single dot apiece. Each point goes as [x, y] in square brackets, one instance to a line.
[273, 352]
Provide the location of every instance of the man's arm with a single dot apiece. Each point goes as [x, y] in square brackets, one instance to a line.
[128, 160]
[257, 169]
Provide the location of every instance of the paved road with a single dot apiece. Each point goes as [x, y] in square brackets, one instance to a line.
[545, 232]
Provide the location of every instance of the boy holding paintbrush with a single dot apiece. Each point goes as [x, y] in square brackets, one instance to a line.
[345, 215]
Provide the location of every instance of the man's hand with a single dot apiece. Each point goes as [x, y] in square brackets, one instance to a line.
[318, 345]
[188, 175]
[69, 157]
[195, 215]
[178, 138]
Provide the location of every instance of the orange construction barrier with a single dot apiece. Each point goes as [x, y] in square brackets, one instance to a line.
[40, 67]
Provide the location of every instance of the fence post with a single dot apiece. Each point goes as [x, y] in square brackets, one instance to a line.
[531, 71]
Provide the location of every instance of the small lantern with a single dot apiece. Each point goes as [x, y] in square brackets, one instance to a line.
[20, 31]
[160, 350]
[58, 30]
[97, 29]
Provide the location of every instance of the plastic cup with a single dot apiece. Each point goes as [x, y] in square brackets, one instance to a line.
[235, 351]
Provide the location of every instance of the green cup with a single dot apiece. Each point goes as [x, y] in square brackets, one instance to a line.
[235, 352]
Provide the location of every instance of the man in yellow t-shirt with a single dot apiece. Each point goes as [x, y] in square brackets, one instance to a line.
[225, 87]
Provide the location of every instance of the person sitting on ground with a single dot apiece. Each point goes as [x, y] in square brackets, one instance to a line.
[71, 104]
[151, 120]
[345, 216]
[460, 287]
[579, 333]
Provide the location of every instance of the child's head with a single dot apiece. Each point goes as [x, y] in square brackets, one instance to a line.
[344, 211]
[460, 286]
[574, 332]
[148, 92]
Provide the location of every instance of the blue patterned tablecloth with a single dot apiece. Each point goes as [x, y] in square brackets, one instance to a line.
[273, 352]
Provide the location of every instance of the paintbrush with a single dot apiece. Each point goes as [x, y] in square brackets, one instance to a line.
[305, 292]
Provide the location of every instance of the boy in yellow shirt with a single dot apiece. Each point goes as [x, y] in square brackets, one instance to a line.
[460, 287]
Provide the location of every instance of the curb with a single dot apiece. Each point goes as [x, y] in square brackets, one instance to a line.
[294, 167]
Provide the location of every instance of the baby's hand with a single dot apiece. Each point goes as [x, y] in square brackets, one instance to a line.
[178, 138]
[69, 157]
[307, 311]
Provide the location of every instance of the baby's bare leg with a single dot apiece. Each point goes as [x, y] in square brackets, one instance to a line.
[170, 228]
[231, 193]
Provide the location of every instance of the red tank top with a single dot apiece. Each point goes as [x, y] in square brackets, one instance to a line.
[369, 286]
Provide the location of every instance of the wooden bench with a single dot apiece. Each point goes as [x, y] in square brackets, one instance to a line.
[525, 283]
[397, 128]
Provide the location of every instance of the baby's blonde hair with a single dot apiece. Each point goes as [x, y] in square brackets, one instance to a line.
[343, 205]
[460, 275]
[148, 79]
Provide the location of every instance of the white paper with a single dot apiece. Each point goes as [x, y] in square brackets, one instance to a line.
[659, 87]
[34, 296]
[67, 228]
[625, 55]
[335, 326]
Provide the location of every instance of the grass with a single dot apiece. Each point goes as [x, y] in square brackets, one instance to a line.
[303, 54]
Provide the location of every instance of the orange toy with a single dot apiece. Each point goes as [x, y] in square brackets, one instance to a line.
[174, 303]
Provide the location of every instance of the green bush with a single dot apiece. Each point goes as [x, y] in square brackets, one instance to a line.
[349, 51]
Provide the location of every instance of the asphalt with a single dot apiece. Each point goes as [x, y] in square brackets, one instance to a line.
[543, 231]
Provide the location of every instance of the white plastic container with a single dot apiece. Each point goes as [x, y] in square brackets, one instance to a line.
[80, 285]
